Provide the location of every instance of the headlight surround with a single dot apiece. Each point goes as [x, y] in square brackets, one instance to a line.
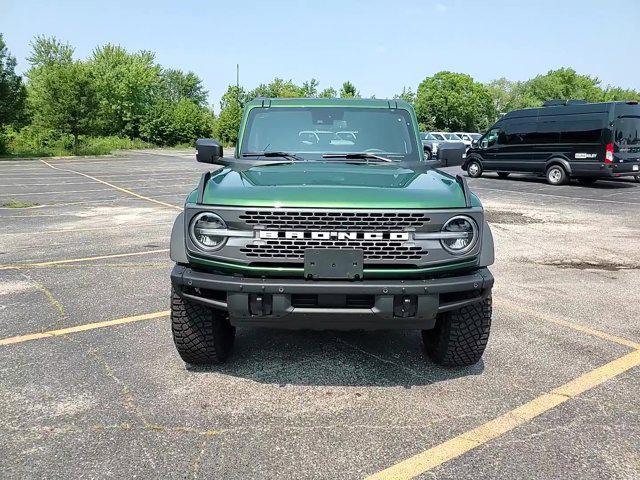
[200, 224]
[460, 224]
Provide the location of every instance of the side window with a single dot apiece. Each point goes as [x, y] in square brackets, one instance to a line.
[581, 128]
[520, 131]
[491, 138]
[548, 130]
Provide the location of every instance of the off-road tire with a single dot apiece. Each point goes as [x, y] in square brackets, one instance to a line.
[203, 336]
[460, 336]
[427, 154]
[474, 172]
[503, 174]
[556, 175]
[637, 178]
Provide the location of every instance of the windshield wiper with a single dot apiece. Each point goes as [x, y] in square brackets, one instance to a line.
[288, 155]
[357, 156]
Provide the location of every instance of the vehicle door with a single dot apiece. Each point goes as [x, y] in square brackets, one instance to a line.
[546, 142]
[489, 148]
[516, 155]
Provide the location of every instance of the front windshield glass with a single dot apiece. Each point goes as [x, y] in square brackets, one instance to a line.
[311, 132]
[628, 131]
[475, 136]
[452, 136]
[438, 136]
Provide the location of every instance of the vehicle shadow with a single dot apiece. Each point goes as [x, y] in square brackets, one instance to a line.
[601, 184]
[331, 358]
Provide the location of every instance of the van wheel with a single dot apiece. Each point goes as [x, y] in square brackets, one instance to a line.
[503, 174]
[587, 181]
[460, 336]
[474, 169]
[203, 336]
[556, 175]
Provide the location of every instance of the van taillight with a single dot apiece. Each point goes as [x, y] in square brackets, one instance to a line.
[608, 156]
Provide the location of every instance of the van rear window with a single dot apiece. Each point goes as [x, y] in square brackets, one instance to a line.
[628, 131]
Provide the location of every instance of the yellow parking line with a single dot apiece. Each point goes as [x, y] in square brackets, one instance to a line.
[463, 443]
[82, 328]
[124, 190]
[566, 323]
[75, 260]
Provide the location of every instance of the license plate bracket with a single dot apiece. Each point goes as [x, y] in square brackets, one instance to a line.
[333, 263]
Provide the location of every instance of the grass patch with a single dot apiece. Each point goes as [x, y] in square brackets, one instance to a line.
[18, 204]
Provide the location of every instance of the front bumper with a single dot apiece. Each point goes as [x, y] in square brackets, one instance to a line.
[344, 305]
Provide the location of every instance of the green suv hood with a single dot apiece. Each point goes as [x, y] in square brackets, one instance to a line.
[337, 185]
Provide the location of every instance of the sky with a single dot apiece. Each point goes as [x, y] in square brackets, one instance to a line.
[380, 46]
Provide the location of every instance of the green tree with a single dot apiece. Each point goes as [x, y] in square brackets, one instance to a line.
[12, 93]
[407, 95]
[127, 85]
[454, 101]
[564, 84]
[310, 88]
[228, 122]
[617, 94]
[278, 88]
[49, 50]
[177, 85]
[62, 97]
[349, 90]
[169, 123]
[328, 93]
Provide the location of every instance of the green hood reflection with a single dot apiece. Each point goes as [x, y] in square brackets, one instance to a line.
[333, 185]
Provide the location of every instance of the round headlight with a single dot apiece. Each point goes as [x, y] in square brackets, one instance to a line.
[464, 234]
[204, 231]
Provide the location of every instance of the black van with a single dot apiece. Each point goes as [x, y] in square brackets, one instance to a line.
[562, 139]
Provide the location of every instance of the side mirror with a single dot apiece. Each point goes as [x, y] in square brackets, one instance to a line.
[208, 150]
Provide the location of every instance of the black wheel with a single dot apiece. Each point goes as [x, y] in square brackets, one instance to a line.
[637, 177]
[557, 175]
[587, 181]
[460, 336]
[203, 336]
[503, 174]
[427, 154]
[474, 169]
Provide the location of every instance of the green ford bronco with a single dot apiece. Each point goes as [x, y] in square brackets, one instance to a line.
[328, 216]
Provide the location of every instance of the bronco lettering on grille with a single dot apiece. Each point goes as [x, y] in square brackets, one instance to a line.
[305, 235]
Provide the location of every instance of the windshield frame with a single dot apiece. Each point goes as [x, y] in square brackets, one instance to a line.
[413, 132]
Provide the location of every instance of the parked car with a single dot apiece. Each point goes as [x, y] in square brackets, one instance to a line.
[315, 233]
[468, 138]
[430, 144]
[452, 150]
[562, 140]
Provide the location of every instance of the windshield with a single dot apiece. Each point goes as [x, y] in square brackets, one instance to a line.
[628, 131]
[475, 136]
[311, 132]
[452, 136]
[428, 136]
[438, 136]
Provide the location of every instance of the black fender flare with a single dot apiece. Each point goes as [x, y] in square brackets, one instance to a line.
[558, 161]
[178, 246]
[487, 254]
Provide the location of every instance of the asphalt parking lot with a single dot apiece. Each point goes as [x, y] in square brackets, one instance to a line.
[91, 386]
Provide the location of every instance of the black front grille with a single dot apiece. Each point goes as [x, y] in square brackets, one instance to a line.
[372, 249]
[336, 220]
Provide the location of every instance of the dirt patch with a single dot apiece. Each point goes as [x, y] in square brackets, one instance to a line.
[506, 216]
[581, 265]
